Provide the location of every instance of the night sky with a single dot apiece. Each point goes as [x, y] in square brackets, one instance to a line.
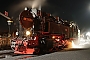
[72, 10]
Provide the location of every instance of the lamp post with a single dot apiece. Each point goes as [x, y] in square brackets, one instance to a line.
[9, 24]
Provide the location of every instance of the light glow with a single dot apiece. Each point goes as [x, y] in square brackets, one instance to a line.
[27, 33]
[88, 34]
[75, 46]
[57, 39]
[53, 37]
[25, 8]
[81, 43]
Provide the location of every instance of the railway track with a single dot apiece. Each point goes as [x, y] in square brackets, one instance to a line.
[6, 53]
[19, 56]
[10, 54]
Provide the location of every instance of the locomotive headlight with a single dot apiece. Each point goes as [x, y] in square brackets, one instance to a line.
[27, 33]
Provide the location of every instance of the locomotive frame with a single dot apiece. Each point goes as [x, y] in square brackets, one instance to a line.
[45, 33]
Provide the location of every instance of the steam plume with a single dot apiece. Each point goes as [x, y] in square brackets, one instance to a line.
[18, 7]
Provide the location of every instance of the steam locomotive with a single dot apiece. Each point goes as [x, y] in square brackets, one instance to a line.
[42, 33]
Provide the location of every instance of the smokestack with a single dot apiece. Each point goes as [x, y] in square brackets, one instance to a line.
[37, 12]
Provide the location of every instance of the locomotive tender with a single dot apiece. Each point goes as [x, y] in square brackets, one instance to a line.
[42, 33]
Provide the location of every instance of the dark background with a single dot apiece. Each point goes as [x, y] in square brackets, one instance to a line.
[72, 10]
